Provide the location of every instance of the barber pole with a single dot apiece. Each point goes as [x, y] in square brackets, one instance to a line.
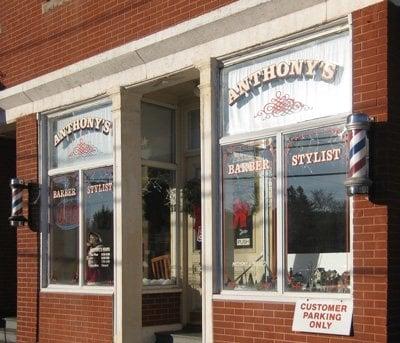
[17, 219]
[357, 181]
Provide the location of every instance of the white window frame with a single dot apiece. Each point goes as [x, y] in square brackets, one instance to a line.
[280, 295]
[339, 119]
[175, 167]
[45, 172]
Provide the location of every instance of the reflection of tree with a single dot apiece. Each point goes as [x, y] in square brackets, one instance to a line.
[102, 219]
[156, 211]
[316, 224]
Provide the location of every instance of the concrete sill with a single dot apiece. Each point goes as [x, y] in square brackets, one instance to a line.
[52, 4]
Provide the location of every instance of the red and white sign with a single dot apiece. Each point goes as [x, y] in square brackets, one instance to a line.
[323, 316]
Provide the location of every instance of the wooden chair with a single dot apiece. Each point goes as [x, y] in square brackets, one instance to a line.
[161, 267]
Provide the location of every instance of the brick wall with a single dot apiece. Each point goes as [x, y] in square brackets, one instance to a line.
[33, 43]
[161, 309]
[27, 241]
[8, 242]
[56, 318]
[256, 322]
[66, 318]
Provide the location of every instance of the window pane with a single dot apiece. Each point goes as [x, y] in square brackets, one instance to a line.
[249, 215]
[193, 130]
[158, 132]
[316, 206]
[64, 228]
[159, 223]
[81, 136]
[99, 233]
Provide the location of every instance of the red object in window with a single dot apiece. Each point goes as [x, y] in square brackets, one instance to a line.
[241, 210]
[197, 217]
[197, 221]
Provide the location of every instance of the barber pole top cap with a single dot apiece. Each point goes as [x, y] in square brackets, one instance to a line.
[17, 183]
[358, 121]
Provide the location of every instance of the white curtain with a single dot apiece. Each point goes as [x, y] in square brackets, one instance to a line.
[312, 98]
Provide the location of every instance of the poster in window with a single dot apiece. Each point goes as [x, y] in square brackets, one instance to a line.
[98, 212]
[244, 165]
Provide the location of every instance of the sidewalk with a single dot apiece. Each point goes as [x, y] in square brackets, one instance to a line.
[11, 331]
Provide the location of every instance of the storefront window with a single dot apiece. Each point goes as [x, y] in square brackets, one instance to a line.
[284, 208]
[316, 206]
[249, 215]
[80, 238]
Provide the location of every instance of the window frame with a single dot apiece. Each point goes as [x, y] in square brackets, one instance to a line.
[175, 167]
[280, 295]
[45, 173]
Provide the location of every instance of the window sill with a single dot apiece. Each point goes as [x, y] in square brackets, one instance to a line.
[95, 290]
[277, 297]
[161, 289]
[51, 4]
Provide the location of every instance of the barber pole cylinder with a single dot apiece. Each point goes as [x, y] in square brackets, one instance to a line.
[17, 219]
[357, 181]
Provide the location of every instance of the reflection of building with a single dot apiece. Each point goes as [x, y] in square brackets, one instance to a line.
[249, 96]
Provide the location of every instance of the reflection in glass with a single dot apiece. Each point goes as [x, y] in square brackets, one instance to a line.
[159, 218]
[64, 228]
[316, 206]
[193, 130]
[249, 215]
[158, 129]
[98, 214]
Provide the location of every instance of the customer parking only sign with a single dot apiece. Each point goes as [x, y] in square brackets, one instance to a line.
[323, 316]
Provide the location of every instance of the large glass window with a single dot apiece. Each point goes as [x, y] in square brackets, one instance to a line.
[80, 182]
[284, 208]
[159, 200]
[316, 211]
[249, 215]
[314, 226]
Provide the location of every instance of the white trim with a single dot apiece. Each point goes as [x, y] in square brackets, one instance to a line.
[160, 290]
[95, 290]
[77, 106]
[159, 164]
[276, 297]
[305, 125]
[281, 295]
[82, 262]
[304, 37]
[80, 166]
[159, 103]
[280, 221]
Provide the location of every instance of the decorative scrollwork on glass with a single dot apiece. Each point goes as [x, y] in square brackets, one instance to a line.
[82, 149]
[280, 106]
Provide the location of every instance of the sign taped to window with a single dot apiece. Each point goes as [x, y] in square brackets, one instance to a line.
[329, 316]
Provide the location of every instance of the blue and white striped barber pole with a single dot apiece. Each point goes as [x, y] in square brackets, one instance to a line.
[357, 181]
[17, 219]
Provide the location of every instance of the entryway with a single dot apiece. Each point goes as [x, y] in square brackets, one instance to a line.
[171, 173]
